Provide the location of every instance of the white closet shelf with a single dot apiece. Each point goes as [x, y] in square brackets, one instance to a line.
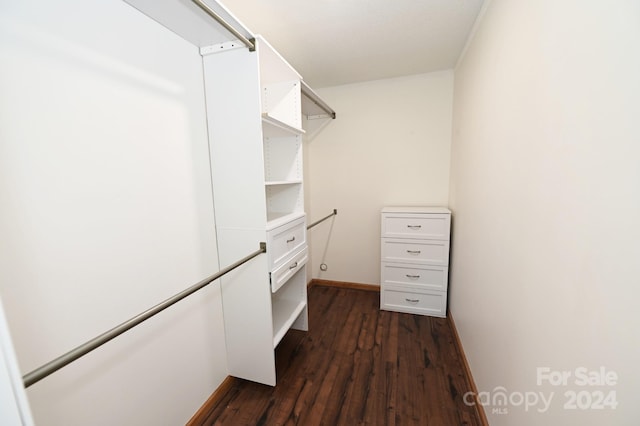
[275, 219]
[274, 128]
[283, 182]
[187, 20]
[285, 312]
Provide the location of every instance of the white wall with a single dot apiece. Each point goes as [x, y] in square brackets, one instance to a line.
[389, 145]
[106, 211]
[546, 199]
[14, 407]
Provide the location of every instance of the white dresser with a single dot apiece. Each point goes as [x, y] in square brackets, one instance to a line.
[415, 259]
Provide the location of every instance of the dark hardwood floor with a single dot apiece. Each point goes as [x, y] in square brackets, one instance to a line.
[356, 365]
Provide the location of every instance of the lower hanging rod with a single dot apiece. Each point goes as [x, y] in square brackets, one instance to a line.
[63, 360]
[335, 212]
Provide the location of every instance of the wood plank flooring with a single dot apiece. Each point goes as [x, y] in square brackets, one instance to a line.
[356, 365]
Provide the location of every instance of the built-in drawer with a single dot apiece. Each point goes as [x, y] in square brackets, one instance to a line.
[284, 241]
[424, 277]
[426, 252]
[416, 225]
[282, 273]
[403, 299]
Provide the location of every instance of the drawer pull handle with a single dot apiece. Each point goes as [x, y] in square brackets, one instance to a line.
[412, 300]
[413, 251]
[413, 277]
[414, 226]
[291, 240]
[294, 266]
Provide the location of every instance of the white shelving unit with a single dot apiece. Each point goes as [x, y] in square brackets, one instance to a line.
[254, 103]
[256, 152]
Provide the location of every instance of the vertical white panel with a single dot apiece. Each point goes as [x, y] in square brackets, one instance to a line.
[233, 112]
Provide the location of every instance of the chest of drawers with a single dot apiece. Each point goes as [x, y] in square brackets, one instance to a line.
[415, 259]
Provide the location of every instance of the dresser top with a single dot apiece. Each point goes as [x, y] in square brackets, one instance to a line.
[416, 209]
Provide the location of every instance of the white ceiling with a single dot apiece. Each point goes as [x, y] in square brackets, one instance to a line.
[334, 42]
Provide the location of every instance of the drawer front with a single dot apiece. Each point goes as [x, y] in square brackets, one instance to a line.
[425, 277]
[401, 299]
[427, 226]
[285, 271]
[426, 252]
[284, 241]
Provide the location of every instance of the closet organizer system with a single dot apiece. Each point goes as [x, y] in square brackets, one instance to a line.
[255, 106]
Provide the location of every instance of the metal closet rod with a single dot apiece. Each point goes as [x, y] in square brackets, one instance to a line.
[63, 360]
[309, 93]
[250, 43]
[335, 212]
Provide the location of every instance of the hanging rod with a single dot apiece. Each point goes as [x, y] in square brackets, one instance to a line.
[335, 212]
[309, 93]
[251, 44]
[63, 360]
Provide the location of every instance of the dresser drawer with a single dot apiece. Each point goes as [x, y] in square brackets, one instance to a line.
[426, 252]
[416, 225]
[284, 241]
[424, 277]
[282, 273]
[406, 299]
